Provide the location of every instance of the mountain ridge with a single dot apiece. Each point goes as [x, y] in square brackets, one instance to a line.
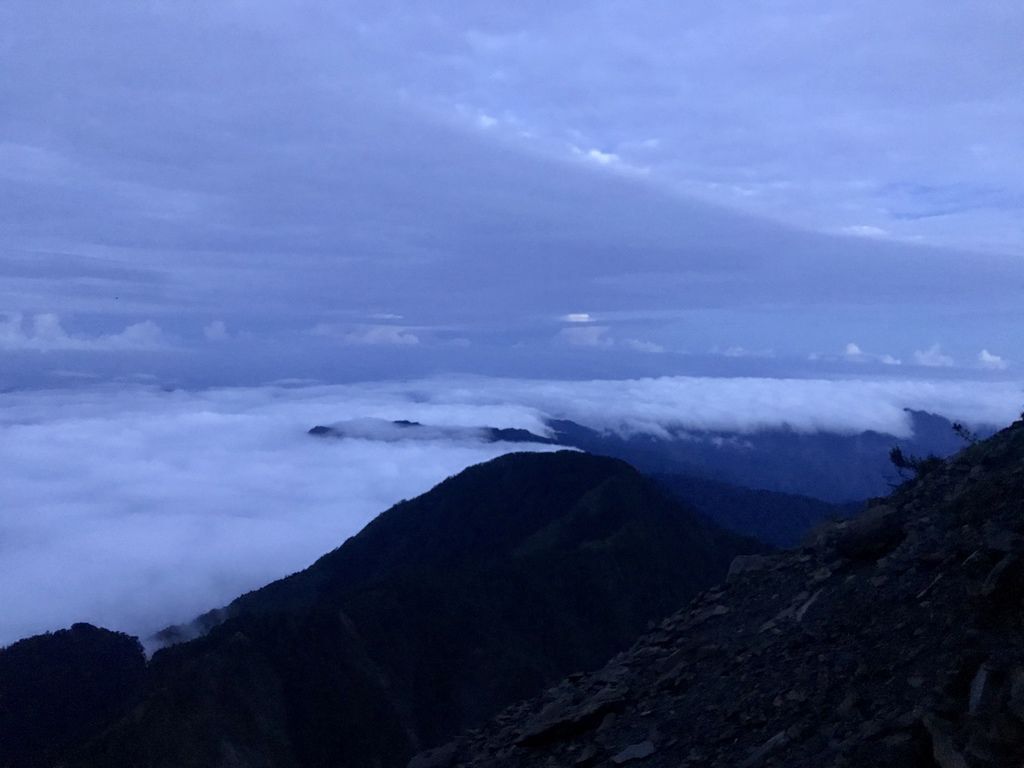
[444, 609]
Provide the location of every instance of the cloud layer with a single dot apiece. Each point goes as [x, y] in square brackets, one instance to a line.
[136, 507]
[484, 176]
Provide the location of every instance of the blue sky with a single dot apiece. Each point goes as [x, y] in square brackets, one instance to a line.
[245, 192]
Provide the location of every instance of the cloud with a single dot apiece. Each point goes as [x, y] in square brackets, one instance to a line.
[366, 183]
[169, 503]
[369, 335]
[582, 333]
[864, 230]
[853, 353]
[738, 351]
[45, 333]
[993, 362]
[601, 158]
[933, 357]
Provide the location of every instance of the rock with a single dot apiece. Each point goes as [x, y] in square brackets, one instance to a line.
[587, 757]
[981, 690]
[563, 719]
[944, 751]
[904, 748]
[441, 757]
[821, 574]
[874, 534]
[759, 754]
[848, 706]
[1016, 702]
[1003, 581]
[802, 610]
[1002, 540]
[746, 564]
[634, 752]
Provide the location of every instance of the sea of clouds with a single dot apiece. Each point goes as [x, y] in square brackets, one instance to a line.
[135, 508]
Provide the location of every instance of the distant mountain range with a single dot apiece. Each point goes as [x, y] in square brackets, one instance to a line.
[836, 468]
[390, 431]
[444, 609]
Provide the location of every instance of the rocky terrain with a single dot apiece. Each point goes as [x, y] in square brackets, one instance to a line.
[894, 639]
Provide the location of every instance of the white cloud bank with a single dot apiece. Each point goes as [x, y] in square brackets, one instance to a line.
[933, 357]
[137, 508]
[992, 362]
[44, 332]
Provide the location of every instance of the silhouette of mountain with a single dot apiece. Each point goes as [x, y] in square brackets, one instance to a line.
[441, 611]
[779, 519]
[381, 429]
[58, 688]
[838, 468]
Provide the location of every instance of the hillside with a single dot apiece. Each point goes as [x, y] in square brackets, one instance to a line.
[778, 519]
[837, 468]
[58, 688]
[895, 639]
[444, 609]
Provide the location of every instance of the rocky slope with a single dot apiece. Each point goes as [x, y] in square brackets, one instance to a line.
[895, 639]
[443, 610]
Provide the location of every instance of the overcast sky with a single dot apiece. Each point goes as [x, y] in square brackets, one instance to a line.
[246, 191]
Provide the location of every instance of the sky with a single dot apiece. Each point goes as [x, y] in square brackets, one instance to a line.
[242, 192]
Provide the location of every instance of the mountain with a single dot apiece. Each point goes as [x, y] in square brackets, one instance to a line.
[441, 611]
[841, 469]
[57, 688]
[895, 639]
[390, 431]
[838, 468]
[778, 519]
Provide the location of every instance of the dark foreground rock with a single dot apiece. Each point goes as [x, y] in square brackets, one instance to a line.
[892, 640]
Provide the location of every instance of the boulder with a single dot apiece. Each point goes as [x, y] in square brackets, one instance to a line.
[872, 535]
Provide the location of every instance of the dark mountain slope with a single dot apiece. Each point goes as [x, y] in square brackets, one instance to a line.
[779, 519]
[897, 639]
[59, 687]
[441, 611]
